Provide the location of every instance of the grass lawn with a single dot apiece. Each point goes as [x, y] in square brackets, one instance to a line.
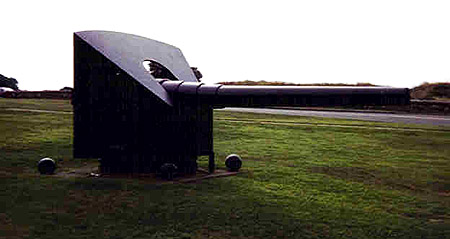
[299, 180]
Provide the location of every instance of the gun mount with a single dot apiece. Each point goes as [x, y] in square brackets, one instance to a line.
[136, 123]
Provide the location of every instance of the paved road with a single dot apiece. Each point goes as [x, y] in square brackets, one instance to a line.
[380, 117]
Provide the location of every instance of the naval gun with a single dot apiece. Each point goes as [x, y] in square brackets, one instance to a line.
[136, 123]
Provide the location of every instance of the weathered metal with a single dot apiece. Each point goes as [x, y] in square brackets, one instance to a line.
[46, 166]
[233, 162]
[136, 123]
[129, 51]
[257, 96]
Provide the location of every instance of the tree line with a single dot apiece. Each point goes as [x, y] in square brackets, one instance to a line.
[8, 82]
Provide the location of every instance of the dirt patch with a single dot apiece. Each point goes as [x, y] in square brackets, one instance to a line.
[442, 187]
[91, 170]
[206, 233]
[10, 230]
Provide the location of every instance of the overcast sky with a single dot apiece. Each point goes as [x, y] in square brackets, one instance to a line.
[394, 43]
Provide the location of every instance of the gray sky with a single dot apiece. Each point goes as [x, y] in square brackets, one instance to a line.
[395, 42]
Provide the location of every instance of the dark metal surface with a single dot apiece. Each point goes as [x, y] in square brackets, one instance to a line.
[306, 90]
[254, 96]
[46, 166]
[259, 96]
[136, 123]
[128, 52]
[233, 162]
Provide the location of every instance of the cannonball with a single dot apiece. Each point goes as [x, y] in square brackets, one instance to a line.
[233, 162]
[168, 170]
[46, 166]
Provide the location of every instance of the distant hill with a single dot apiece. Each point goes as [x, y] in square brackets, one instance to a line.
[247, 82]
[431, 91]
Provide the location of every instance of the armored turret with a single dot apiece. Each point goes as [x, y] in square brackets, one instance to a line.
[137, 123]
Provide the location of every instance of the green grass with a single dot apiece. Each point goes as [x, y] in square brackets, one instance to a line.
[298, 181]
[41, 104]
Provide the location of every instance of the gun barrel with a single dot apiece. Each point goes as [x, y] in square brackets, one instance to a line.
[257, 96]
